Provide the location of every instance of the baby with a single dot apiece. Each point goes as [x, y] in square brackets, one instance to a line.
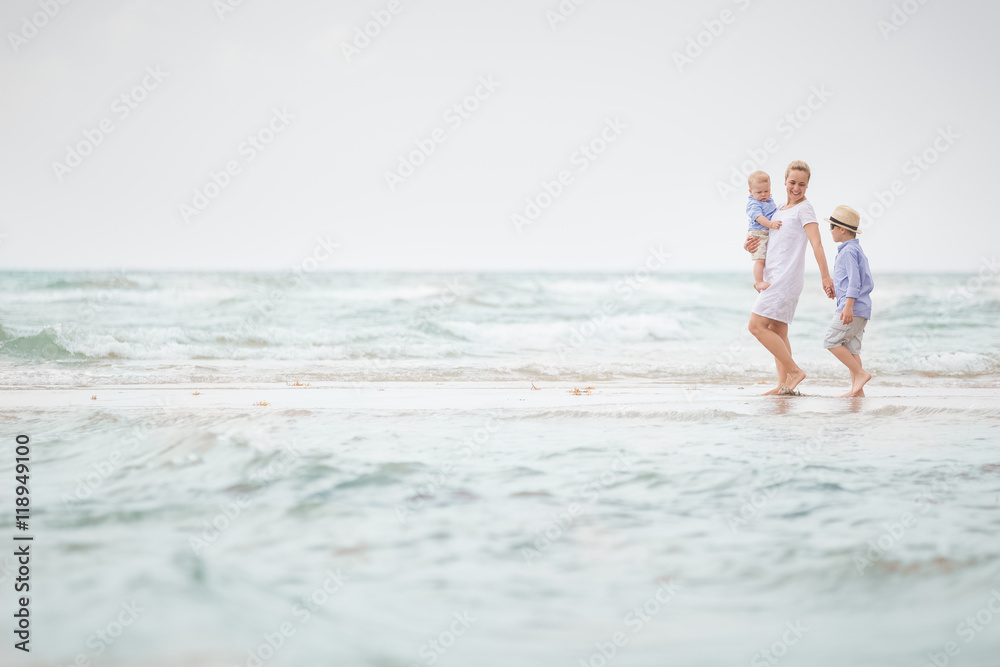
[760, 208]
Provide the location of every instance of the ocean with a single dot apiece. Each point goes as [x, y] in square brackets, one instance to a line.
[493, 469]
[66, 329]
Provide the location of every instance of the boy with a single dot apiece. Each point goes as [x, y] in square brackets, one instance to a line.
[853, 282]
[760, 208]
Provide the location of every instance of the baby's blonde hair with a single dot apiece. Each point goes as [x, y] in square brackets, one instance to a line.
[798, 165]
[757, 177]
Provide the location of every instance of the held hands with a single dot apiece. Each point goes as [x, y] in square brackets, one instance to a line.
[828, 288]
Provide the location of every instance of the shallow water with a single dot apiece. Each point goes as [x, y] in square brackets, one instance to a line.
[547, 518]
[671, 509]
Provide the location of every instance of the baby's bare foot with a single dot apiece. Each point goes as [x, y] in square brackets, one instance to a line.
[761, 285]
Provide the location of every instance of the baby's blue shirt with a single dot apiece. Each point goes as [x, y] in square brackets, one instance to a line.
[757, 208]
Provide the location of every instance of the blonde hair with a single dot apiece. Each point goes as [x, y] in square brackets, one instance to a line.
[798, 165]
[757, 177]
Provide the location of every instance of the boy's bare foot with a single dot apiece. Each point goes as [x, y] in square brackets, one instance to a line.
[761, 285]
[773, 392]
[858, 383]
[851, 394]
[793, 380]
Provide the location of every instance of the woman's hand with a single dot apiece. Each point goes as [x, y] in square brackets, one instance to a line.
[751, 244]
[828, 287]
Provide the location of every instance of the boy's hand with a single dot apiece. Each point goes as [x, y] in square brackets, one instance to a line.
[847, 315]
[828, 288]
[773, 224]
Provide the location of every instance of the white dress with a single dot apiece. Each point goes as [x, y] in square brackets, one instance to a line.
[785, 265]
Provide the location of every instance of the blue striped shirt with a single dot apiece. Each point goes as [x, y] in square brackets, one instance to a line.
[757, 208]
[852, 278]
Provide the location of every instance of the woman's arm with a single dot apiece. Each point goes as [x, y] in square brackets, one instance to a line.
[751, 244]
[812, 231]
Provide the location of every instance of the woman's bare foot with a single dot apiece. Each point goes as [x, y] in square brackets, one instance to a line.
[793, 380]
[858, 383]
[761, 285]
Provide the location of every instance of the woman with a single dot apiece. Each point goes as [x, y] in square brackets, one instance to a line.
[785, 270]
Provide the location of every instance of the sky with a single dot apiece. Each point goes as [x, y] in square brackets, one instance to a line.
[487, 135]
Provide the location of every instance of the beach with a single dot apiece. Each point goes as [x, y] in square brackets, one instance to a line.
[409, 334]
[395, 483]
[544, 515]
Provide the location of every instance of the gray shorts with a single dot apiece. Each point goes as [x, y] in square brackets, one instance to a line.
[762, 248]
[848, 335]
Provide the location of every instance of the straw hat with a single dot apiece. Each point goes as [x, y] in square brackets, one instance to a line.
[846, 217]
